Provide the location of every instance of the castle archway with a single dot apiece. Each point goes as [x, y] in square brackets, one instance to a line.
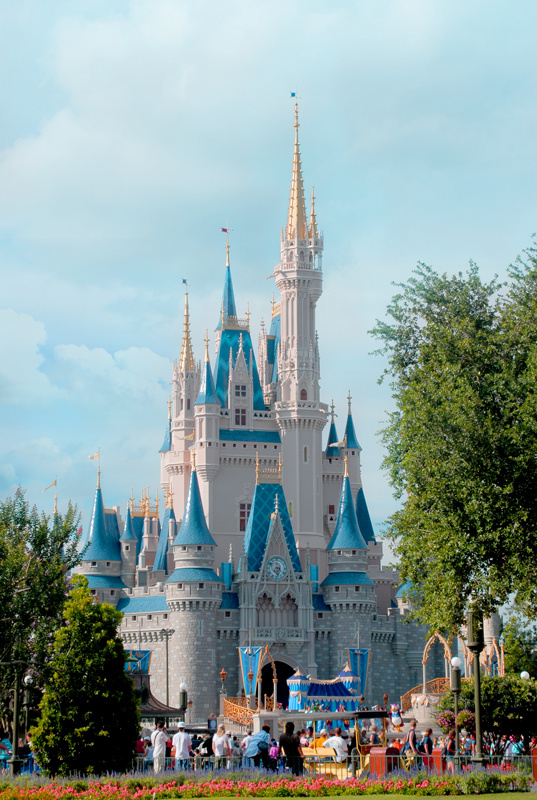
[283, 672]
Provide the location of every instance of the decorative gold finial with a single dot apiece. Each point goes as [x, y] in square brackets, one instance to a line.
[223, 315]
[132, 499]
[349, 398]
[313, 234]
[169, 495]
[346, 459]
[272, 304]
[55, 495]
[296, 220]
[206, 345]
[279, 465]
[186, 359]
[257, 468]
[157, 501]
[169, 407]
[227, 231]
[193, 459]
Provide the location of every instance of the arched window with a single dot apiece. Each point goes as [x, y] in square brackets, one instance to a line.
[305, 455]
[303, 394]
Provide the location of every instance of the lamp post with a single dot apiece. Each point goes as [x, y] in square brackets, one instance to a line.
[183, 697]
[223, 675]
[475, 644]
[28, 683]
[15, 763]
[189, 704]
[455, 685]
[525, 675]
[166, 634]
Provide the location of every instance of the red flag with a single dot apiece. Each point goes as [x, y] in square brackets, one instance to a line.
[224, 230]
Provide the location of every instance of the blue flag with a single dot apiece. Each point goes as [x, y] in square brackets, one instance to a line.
[293, 94]
[184, 280]
[250, 658]
[359, 662]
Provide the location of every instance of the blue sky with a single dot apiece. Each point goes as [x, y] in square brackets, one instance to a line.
[131, 131]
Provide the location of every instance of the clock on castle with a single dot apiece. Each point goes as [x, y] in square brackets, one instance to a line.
[265, 531]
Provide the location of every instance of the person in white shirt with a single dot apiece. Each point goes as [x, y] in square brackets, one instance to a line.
[159, 740]
[246, 762]
[339, 744]
[182, 743]
[221, 747]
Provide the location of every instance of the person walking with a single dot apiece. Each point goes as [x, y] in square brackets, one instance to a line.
[221, 748]
[182, 743]
[159, 740]
[451, 752]
[427, 745]
[246, 762]
[258, 747]
[290, 744]
[410, 747]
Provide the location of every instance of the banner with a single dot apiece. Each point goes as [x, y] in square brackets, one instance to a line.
[359, 662]
[250, 658]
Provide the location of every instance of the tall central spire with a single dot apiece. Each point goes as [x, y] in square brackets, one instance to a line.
[296, 221]
[186, 359]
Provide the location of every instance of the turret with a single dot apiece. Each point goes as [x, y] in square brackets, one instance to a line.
[127, 542]
[101, 563]
[195, 591]
[353, 451]
[207, 414]
[331, 450]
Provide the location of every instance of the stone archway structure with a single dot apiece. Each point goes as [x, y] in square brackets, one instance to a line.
[426, 650]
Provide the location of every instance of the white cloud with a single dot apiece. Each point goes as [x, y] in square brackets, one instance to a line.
[22, 382]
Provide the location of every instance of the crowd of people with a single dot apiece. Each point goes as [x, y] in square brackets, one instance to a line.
[221, 749]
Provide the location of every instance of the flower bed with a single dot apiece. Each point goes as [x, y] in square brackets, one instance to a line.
[261, 785]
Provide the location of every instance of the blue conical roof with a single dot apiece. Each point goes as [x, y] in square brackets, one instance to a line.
[207, 392]
[128, 531]
[364, 520]
[167, 443]
[161, 560]
[261, 521]
[347, 533]
[102, 546]
[350, 433]
[228, 299]
[332, 437]
[194, 529]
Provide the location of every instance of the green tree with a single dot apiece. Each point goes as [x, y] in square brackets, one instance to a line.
[36, 551]
[519, 642]
[508, 706]
[89, 712]
[461, 444]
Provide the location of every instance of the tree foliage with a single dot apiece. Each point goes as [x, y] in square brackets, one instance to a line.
[36, 551]
[89, 712]
[508, 705]
[461, 446]
[519, 642]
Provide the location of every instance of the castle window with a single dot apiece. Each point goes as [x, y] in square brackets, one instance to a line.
[127, 548]
[320, 615]
[181, 403]
[353, 452]
[240, 416]
[150, 616]
[331, 509]
[244, 513]
[354, 552]
[240, 391]
[199, 547]
[340, 552]
[227, 613]
[303, 394]
[133, 619]
[336, 588]
[112, 592]
[107, 563]
[164, 616]
[188, 404]
[290, 509]
[184, 548]
[356, 588]
[201, 585]
[93, 592]
[179, 585]
[93, 563]
[305, 455]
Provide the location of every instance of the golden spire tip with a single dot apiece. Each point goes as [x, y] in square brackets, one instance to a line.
[206, 345]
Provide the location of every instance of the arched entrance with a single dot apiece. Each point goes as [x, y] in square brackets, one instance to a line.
[283, 671]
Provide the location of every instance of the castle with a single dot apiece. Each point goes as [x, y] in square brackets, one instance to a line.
[266, 536]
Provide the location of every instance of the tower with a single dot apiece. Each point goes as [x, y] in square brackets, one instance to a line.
[207, 417]
[300, 415]
[193, 595]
